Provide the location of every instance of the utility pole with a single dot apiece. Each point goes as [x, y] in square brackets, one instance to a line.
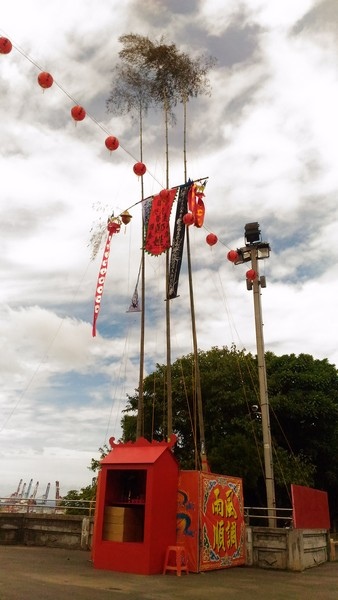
[254, 251]
[263, 393]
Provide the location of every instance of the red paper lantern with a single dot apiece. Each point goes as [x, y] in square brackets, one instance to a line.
[112, 143]
[232, 256]
[5, 45]
[139, 169]
[251, 274]
[45, 80]
[78, 113]
[211, 239]
[188, 219]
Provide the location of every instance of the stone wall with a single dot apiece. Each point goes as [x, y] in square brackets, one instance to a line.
[36, 529]
[286, 549]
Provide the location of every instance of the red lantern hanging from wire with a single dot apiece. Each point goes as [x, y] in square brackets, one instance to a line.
[78, 113]
[5, 45]
[112, 143]
[211, 239]
[139, 169]
[45, 80]
[251, 275]
[232, 256]
[188, 219]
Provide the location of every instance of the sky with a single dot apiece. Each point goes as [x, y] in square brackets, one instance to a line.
[266, 139]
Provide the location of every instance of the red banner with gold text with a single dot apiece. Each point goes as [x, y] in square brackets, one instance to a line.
[210, 520]
[157, 238]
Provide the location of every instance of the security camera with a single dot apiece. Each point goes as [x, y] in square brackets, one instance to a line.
[255, 408]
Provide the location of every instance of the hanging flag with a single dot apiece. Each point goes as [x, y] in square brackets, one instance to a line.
[157, 238]
[192, 197]
[195, 203]
[146, 210]
[113, 226]
[199, 209]
[178, 240]
[134, 304]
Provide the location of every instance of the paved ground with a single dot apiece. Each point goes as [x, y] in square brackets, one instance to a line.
[54, 574]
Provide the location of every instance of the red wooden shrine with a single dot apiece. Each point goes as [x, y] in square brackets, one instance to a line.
[136, 504]
[210, 520]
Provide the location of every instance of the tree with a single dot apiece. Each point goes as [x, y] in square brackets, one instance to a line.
[156, 74]
[303, 394]
[80, 502]
[304, 403]
[95, 462]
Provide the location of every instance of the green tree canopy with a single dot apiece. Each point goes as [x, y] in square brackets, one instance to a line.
[303, 396]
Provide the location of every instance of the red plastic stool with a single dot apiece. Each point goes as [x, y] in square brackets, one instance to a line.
[178, 562]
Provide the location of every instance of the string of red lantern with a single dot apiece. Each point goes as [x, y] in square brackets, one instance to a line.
[78, 112]
[196, 213]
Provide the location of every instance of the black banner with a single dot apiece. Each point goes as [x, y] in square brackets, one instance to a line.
[178, 242]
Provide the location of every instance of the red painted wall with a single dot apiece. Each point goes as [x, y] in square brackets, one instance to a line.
[310, 508]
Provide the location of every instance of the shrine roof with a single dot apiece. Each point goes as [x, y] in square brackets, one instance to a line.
[139, 452]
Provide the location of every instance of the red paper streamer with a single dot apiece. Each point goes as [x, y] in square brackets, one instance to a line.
[113, 227]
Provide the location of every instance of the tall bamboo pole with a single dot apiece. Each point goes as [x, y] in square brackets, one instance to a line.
[167, 304]
[197, 376]
[140, 404]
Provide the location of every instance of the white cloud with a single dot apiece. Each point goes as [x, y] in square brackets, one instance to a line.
[266, 138]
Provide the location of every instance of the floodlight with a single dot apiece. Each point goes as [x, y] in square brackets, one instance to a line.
[252, 233]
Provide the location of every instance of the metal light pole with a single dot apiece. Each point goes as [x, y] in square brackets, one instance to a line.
[254, 251]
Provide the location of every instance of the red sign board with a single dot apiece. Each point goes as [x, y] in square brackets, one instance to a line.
[210, 520]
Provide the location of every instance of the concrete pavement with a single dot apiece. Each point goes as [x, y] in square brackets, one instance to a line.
[31, 573]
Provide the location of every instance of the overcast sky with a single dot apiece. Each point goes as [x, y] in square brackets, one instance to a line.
[267, 140]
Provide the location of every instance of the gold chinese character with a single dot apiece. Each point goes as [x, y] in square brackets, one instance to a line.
[218, 504]
[219, 540]
[229, 506]
[231, 531]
